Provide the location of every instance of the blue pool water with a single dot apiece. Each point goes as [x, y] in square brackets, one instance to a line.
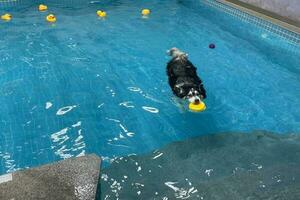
[86, 85]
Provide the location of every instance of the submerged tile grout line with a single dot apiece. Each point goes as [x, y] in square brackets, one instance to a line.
[8, 3]
[284, 30]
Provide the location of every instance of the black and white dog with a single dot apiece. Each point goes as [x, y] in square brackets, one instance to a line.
[183, 78]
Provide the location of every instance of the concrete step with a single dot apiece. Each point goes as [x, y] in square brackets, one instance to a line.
[74, 178]
[233, 166]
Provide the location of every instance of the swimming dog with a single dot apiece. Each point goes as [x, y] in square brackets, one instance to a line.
[183, 78]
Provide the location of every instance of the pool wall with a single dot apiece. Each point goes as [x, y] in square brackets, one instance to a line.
[286, 8]
[284, 30]
[8, 3]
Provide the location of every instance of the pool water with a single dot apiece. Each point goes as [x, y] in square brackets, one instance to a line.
[88, 85]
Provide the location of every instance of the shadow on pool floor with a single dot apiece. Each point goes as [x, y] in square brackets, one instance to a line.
[233, 166]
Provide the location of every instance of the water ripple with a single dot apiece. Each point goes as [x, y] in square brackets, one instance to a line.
[48, 105]
[127, 104]
[65, 146]
[151, 109]
[65, 110]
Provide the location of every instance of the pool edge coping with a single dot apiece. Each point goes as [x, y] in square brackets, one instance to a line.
[263, 14]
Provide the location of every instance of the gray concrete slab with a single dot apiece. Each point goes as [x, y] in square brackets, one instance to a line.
[74, 178]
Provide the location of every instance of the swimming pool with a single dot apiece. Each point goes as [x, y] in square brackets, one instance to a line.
[86, 85]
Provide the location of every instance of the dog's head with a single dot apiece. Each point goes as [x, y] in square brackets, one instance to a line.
[194, 96]
[176, 53]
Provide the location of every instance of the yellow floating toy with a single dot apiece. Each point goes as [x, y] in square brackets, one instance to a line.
[51, 18]
[6, 17]
[146, 12]
[101, 13]
[43, 7]
[197, 107]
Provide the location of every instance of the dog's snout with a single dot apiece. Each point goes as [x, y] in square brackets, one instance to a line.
[197, 101]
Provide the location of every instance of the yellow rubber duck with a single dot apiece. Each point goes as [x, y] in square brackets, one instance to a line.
[43, 7]
[101, 13]
[51, 18]
[6, 17]
[197, 107]
[146, 12]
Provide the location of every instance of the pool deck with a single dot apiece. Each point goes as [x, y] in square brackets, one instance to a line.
[74, 178]
[284, 22]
